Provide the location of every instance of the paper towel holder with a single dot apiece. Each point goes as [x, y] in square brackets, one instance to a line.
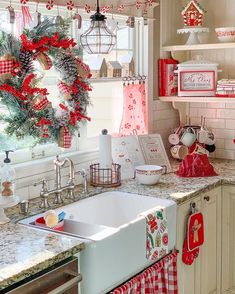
[105, 177]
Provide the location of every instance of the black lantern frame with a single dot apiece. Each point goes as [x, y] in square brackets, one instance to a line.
[98, 39]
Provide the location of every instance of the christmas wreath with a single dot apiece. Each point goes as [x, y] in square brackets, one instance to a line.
[30, 111]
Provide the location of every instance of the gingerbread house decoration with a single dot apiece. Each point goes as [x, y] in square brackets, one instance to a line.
[128, 65]
[114, 69]
[98, 67]
[193, 14]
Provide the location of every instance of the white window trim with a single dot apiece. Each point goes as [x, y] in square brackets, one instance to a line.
[28, 169]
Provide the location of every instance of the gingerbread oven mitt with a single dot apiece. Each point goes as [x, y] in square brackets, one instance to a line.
[194, 236]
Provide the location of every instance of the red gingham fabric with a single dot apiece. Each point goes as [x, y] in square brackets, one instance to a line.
[160, 278]
[41, 103]
[6, 66]
[64, 88]
[67, 138]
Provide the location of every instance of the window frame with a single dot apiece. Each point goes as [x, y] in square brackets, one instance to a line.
[22, 156]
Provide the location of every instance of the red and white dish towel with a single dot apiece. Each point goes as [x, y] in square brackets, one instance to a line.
[157, 238]
[160, 278]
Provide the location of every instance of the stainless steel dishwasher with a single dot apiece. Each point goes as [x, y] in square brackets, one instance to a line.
[62, 278]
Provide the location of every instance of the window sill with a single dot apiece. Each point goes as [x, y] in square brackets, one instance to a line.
[105, 80]
[39, 167]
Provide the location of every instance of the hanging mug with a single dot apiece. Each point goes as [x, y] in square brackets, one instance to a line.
[174, 139]
[189, 137]
[179, 151]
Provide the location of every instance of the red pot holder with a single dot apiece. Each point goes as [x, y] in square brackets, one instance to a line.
[194, 237]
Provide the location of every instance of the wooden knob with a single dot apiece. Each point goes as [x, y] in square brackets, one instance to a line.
[207, 198]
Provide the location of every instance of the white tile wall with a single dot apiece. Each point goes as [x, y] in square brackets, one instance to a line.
[220, 117]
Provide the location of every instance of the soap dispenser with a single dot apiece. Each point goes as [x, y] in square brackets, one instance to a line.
[7, 177]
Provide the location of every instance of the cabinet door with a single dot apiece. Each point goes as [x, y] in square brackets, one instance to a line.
[210, 252]
[187, 274]
[228, 240]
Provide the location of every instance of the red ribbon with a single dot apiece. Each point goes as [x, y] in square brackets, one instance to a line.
[45, 42]
[44, 122]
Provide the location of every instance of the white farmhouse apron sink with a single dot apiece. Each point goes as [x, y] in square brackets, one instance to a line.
[115, 236]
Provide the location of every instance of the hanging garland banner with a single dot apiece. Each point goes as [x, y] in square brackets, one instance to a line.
[30, 110]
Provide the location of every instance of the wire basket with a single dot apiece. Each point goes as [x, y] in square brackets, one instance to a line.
[105, 177]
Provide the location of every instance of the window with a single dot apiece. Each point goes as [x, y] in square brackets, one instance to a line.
[106, 97]
[124, 45]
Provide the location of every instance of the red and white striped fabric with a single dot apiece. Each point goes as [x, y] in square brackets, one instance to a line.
[160, 278]
[6, 66]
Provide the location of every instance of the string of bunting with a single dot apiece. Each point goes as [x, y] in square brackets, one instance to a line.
[105, 9]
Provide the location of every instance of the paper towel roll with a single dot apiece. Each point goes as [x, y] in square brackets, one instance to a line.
[105, 150]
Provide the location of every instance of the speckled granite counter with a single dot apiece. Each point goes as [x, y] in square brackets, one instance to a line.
[25, 251]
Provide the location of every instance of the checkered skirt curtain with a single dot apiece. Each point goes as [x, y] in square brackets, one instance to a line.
[160, 278]
[134, 118]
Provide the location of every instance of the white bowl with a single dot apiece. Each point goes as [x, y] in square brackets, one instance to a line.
[226, 34]
[149, 174]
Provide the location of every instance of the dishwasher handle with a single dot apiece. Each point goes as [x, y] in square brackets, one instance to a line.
[76, 278]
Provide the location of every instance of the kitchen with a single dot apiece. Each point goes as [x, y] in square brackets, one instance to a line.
[78, 206]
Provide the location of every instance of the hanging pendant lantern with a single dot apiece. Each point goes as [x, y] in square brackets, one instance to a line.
[98, 39]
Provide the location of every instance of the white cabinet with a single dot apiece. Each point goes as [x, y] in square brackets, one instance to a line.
[210, 253]
[203, 276]
[228, 240]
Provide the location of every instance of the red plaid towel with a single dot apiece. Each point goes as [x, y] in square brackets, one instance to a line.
[6, 66]
[160, 278]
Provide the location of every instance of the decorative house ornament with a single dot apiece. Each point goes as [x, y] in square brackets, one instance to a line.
[192, 14]
[128, 65]
[114, 69]
[98, 67]
[98, 39]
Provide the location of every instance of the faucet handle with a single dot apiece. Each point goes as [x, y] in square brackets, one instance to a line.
[83, 173]
[44, 193]
[44, 184]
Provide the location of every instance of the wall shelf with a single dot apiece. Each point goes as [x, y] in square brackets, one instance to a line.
[213, 46]
[196, 99]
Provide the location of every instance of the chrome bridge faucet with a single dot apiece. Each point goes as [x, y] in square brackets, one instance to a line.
[69, 187]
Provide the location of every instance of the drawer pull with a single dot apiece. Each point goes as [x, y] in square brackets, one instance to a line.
[207, 198]
[76, 278]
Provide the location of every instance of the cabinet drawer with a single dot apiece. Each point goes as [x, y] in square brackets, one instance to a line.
[61, 279]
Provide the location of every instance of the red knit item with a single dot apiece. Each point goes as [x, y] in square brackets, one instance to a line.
[196, 165]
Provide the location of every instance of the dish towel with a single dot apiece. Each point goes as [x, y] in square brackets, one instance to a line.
[160, 278]
[156, 234]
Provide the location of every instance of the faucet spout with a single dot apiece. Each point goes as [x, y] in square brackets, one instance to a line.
[58, 164]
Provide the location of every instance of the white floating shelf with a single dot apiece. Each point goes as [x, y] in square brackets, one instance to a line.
[214, 46]
[196, 99]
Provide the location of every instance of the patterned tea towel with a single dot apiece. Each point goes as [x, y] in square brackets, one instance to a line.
[156, 234]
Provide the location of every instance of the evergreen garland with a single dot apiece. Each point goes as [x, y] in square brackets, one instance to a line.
[19, 91]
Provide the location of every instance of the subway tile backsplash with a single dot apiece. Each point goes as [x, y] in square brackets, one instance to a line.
[220, 117]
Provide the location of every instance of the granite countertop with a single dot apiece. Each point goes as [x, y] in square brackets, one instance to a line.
[25, 251]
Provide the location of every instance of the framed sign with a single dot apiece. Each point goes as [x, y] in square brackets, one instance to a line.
[195, 81]
[131, 151]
